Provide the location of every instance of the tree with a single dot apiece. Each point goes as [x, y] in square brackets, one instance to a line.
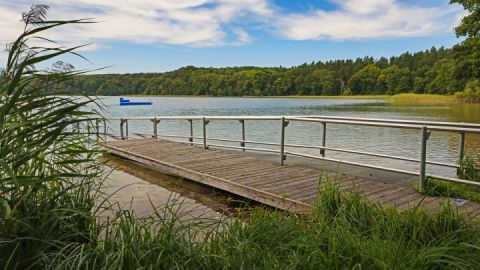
[394, 80]
[365, 80]
[467, 53]
[470, 24]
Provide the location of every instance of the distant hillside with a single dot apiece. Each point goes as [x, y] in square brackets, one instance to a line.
[440, 71]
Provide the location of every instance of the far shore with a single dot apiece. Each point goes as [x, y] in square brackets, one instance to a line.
[398, 98]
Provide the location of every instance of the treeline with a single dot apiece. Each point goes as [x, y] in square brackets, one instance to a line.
[435, 71]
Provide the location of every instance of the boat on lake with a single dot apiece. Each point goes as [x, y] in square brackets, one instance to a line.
[127, 102]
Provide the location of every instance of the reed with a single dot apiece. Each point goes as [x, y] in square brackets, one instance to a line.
[422, 98]
[46, 171]
[344, 231]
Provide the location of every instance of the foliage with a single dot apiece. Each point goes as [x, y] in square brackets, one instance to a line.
[344, 231]
[470, 24]
[469, 170]
[430, 71]
[45, 169]
[471, 94]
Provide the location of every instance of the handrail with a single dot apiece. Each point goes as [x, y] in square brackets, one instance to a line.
[426, 127]
[278, 117]
[386, 124]
[413, 122]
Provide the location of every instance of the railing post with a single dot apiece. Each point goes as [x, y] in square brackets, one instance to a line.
[88, 127]
[283, 157]
[121, 129]
[105, 126]
[191, 131]
[461, 151]
[205, 123]
[324, 138]
[126, 129]
[97, 127]
[423, 159]
[155, 127]
[242, 144]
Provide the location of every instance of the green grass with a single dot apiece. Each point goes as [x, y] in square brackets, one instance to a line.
[343, 232]
[469, 170]
[422, 98]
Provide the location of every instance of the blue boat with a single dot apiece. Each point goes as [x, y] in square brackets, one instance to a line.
[127, 102]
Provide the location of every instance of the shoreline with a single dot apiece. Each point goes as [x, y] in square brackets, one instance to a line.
[398, 98]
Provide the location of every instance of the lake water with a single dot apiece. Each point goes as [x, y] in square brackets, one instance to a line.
[442, 146]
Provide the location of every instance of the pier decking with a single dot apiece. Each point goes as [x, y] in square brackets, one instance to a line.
[291, 188]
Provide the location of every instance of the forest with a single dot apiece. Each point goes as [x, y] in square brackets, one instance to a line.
[433, 71]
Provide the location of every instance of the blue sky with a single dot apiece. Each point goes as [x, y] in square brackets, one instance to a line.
[162, 35]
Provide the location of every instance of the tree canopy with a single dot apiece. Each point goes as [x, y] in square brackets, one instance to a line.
[437, 70]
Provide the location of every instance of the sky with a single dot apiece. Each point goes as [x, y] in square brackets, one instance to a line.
[162, 35]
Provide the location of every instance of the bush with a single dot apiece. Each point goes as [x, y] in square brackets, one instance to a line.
[471, 94]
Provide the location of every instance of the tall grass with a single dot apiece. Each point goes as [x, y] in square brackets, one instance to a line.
[46, 171]
[344, 231]
[422, 98]
[469, 170]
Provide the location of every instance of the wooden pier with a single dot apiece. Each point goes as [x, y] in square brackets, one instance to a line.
[291, 188]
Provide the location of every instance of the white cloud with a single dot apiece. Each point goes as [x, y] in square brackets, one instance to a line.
[186, 22]
[368, 19]
[200, 23]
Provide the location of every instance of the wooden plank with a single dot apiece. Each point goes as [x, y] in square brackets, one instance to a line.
[229, 165]
[227, 160]
[385, 195]
[287, 187]
[272, 175]
[396, 195]
[406, 197]
[251, 175]
[235, 188]
[290, 183]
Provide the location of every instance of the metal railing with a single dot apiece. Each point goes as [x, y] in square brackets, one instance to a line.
[425, 128]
